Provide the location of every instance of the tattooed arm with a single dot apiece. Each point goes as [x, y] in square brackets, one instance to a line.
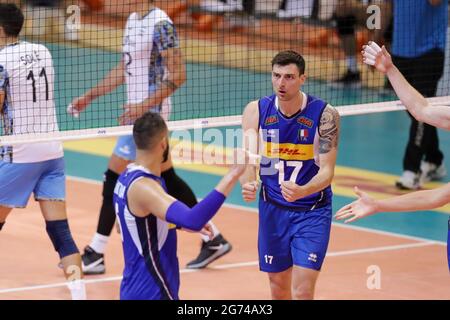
[328, 141]
[173, 60]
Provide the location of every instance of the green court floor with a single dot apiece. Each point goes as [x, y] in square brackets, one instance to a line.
[210, 91]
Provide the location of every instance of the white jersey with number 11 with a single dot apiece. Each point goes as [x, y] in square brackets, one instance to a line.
[27, 77]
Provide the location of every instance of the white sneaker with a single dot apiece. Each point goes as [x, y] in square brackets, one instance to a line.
[409, 181]
[218, 6]
[431, 172]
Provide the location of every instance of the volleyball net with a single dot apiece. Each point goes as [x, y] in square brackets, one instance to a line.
[227, 47]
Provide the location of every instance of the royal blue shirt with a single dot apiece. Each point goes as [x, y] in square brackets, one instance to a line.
[418, 27]
[149, 246]
[291, 151]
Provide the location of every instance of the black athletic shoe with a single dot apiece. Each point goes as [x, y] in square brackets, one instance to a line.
[210, 251]
[92, 262]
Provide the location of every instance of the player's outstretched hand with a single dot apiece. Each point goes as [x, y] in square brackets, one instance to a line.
[378, 57]
[240, 161]
[206, 231]
[78, 105]
[363, 207]
[131, 113]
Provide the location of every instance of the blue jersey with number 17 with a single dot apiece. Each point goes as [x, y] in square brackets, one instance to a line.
[291, 151]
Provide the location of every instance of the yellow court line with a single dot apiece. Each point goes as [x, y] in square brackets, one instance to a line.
[377, 184]
[96, 147]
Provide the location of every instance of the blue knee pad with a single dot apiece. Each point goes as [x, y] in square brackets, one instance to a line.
[60, 235]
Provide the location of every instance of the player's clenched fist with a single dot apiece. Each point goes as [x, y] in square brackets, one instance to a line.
[249, 190]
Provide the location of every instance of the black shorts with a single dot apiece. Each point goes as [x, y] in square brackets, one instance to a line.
[423, 72]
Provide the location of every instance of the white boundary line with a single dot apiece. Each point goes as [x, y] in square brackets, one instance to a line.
[422, 242]
[226, 266]
[85, 180]
[347, 226]
[336, 224]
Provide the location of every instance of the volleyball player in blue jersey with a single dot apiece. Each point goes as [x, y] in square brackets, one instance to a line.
[421, 110]
[153, 68]
[298, 138]
[148, 215]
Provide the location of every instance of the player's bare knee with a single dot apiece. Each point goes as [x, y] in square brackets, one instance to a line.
[61, 237]
[282, 295]
[303, 286]
[279, 286]
[280, 292]
[304, 291]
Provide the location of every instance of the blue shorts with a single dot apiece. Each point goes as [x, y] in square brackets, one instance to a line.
[287, 237]
[125, 148]
[45, 179]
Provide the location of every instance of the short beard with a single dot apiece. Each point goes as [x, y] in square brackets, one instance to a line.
[166, 154]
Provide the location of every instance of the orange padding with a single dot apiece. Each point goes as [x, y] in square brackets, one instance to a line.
[94, 4]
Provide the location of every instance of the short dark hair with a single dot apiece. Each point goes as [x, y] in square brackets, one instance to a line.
[11, 19]
[147, 130]
[283, 58]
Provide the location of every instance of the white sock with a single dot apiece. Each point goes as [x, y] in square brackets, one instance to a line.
[99, 243]
[215, 231]
[352, 64]
[77, 289]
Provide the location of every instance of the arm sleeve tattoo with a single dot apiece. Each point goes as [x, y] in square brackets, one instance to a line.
[329, 129]
[165, 36]
[3, 78]
[170, 84]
